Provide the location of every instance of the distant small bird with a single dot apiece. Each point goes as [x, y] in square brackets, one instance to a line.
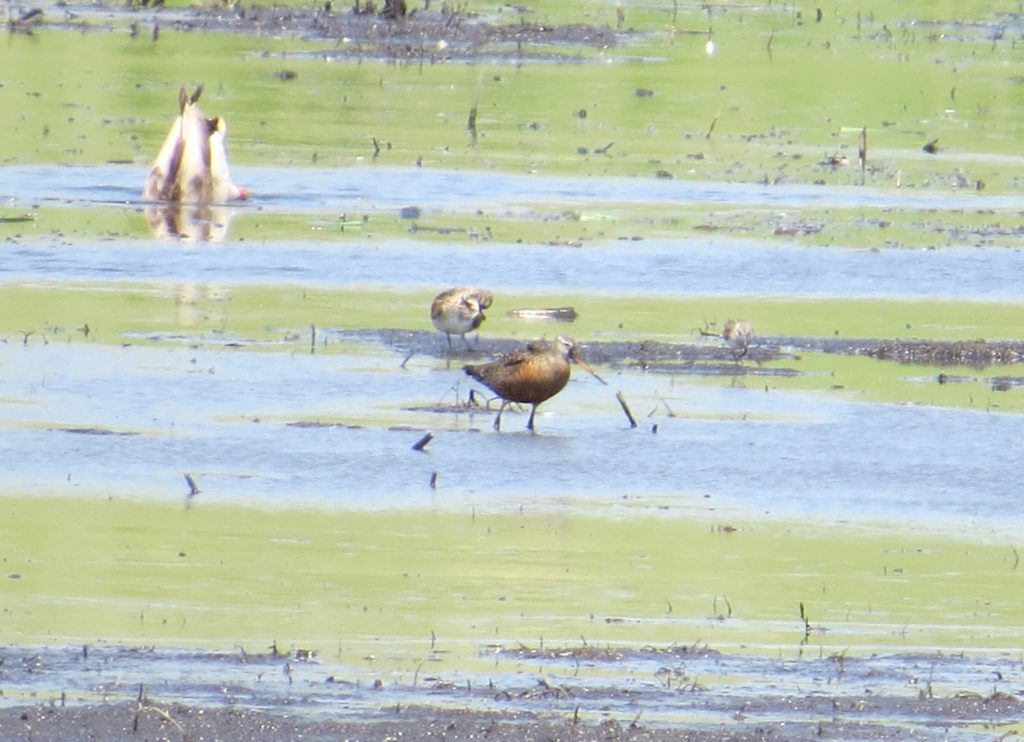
[738, 334]
[460, 310]
[192, 165]
[530, 376]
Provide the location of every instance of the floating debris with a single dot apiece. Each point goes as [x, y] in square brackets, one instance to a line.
[318, 424]
[94, 431]
[556, 314]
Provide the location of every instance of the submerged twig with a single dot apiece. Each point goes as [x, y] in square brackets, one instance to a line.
[668, 409]
[862, 152]
[728, 607]
[625, 408]
[711, 127]
[142, 705]
[807, 624]
[422, 442]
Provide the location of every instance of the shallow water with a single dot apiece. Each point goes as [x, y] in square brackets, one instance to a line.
[381, 188]
[229, 418]
[856, 699]
[688, 263]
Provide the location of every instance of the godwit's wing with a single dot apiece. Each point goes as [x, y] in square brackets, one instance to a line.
[162, 183]
[194, 173]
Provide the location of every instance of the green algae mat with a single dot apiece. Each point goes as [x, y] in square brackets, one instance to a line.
[348, 583]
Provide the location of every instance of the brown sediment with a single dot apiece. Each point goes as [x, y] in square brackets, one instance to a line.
[973, 353]
[705, 356]
[871, 703]
[451, 33]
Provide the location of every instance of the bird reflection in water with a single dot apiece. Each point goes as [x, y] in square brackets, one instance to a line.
[189, 222]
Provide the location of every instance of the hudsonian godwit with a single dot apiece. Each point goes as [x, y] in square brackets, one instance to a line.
[530, 376]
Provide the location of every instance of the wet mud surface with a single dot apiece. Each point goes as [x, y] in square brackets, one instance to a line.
[387, 31]
[713, 357]
[685, 692]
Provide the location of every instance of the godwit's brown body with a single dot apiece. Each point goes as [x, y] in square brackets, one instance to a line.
[738, 335]
[530, 376]
[460, 310]
[192, 165]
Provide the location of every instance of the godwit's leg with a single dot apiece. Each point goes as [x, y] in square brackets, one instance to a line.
[466, 341]
[497, 420]
[529, 423]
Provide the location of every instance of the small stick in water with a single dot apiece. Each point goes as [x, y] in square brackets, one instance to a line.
[422, 442]
[625, 408]
[862, 152]
[193, 490]
[667, 408]
[711, 128]
[433, 480]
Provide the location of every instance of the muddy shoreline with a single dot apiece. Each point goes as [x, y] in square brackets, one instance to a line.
[713, 356]
[391, 31]
[432, 715]
[174, 721]
[293, 696]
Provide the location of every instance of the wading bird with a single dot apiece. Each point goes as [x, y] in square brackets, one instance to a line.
[738, 335]
[530, 376]
[192, 165]
[460, 310]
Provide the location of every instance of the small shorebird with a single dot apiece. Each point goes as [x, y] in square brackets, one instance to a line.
[738, 335]
[460, 310]
[530, 376]
[192, 165]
